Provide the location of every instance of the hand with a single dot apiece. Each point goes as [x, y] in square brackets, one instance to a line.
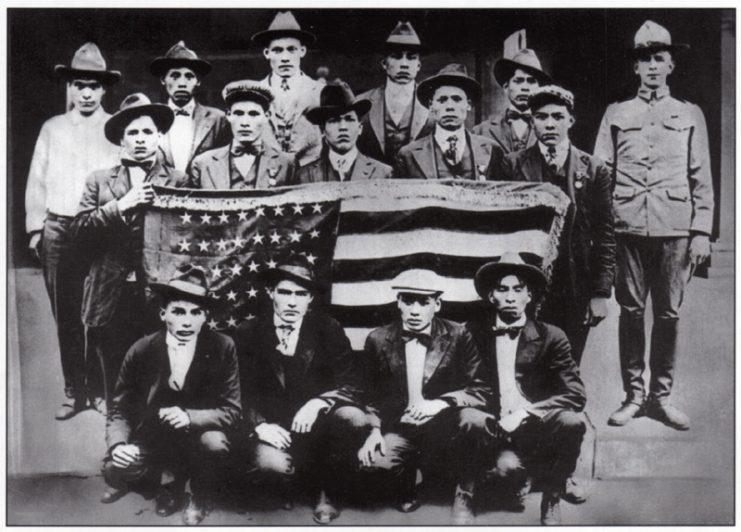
[374, 443]
[509, 423]
[274, 435]
[699, 249]
[307, 414]
[125, 454]
[422, 411]
[33, 244]
[138, 195]
[174, 416]
[596, 312]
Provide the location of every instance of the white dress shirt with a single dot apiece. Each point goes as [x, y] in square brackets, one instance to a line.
[519, 126]
[181, 133]
[562, 152]
[244, 162]
[342, 163]
[415, 354]
[398, 97]
[510, 398]
[442, 136]
[287, 337]
[180, 353]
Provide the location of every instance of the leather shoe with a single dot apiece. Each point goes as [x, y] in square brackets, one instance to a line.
[325, 511]
[668, 415]
[574, 492]
[624, 414]
[195, 512]
[462, 512]
[70, 408]
[111, 495]
[408, 504]
[550, 511]
[168, 501]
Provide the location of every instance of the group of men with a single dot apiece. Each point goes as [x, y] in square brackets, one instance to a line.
[500, 394]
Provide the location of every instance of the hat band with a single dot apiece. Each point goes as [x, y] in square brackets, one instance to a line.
[190, 288]
[295, 270]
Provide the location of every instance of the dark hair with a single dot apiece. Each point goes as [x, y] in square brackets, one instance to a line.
[166, 299]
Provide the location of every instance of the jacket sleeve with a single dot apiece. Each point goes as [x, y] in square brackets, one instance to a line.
[507, 169]
[129, 397]
[248, 378]
[604, 146]
[496, 163]
[346, 366]
[36, 184]
[377, 399]
[401, 166]
[194, 177]
[602, 250]
[475, 391]
[701, 182]
[94, 222]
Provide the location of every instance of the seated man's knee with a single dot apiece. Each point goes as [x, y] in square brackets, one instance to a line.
[268, 459]
[351, 416]
[507, 464]
[118, 477]
[470, 418]
[399, 452]
[571, 422]
[214, 442]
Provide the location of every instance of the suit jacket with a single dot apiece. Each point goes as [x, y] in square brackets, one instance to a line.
[453, 369]
[329, 368]
[416, 160]
[588, 236]
[546, 374]
[321, 170]
[372, 140]
[210, 129]
[211, 394]
[210, 170]
[499, 130]
[111, 241]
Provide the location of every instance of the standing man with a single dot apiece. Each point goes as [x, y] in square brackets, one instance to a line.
[425, 374]
[339, 116]
[284, 45]
[109, 228]
[397, 117]
[249, 162]
[520, 78]
[196, 128]
[538, 394]
[449, 151]
[69, 147]
[657, 149]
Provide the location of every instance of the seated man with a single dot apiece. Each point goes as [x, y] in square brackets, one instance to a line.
[538, 393]
[338, 116]
[248, 162]
[300, 386]
[176, 396]
[424, 374]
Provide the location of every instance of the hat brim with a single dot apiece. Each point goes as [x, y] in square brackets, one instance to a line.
[160, 113]
[505, 68]
[263, 38]
[161, 65]
[389, 47]
[489, 273]
[273, 276]
[537, 101]
[635, 53]
[171, 293]
[248, 96]
[318, 115]
[426, 89]
[107, 77]
[416, 291]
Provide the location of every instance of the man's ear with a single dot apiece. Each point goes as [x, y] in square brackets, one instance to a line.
[265, 52]
[162, 81]
[302, 50]
[438, 304]
[635, 66]
[468, 107]
[162, 313]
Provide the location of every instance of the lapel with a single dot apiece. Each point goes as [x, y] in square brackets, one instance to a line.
[419, 118]
[162, 365]
[266, 349]
[532, 165]
[269, 169]
[306, 345]
[165, 150]
[376, 116]
[118, 181]
[203, 122]
[219, 168]
[577, 166]
[481, 155]
[362, 169]
[396, 357]
[424, 155]
[528, 347]
[499, 131]
[200, 363]
[158, 174]
[438, 349]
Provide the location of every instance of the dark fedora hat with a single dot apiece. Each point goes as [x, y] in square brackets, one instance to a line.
[336, 99]
[134, 106]
[403, 37]
[508, 264]
[652, 37]
[87, 63]
[189, 284]
[526, 60]
[295, 268]
[284, 25]
[247, 90]
[179, 56]
[453, 74]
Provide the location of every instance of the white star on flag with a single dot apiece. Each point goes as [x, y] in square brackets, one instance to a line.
[294, 236]
[278, 210]
[239, 242]
[205, 218]
[184, 245]
[185, 218]
[317, 208]
[311, 258]
[231, 322]
[275, 238]
[314, 234]
[213, 324]
[250, 317]
[203, 245]
[251, 292]
[271, 263]
[297, 209]
[216, 272]
[253, 266]
[242, 216]
[221, 245]
[231, 295]
[258, 238]
[224, 218]
[260, 211]
[236, 269]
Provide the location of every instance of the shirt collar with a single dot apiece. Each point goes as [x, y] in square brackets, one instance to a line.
[189, 107]
[278, 321]
[562, 151]
[349, 157]
[400, 89]
[173, 342]
[442, 136]
[519, 323]
[426, 330]
[657, 94]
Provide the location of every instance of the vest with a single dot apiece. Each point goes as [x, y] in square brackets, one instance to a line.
[463, 170]
[397, 135]
[237, 180]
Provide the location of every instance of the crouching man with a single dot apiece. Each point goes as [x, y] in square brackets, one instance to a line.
[176, 397]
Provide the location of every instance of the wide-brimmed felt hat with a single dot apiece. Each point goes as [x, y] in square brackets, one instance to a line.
[88, 63]
[336, 99]
[284, 25]
[296, 268]
[418, 281]
[551, 94]
[453, 74]
[247, 90]
[403, 37]
[652, 37]
[179, 56]
[134, 106]
[525, 60]
[189, 284]
[508, 264]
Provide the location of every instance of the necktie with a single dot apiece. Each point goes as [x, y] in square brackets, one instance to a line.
[550, 159]
[422, 338]
[451, 154]
[284, 84]
[510, 330]
[283, 332]
[511, 114]
[341, 167]
[130, 163]
[181, 112]
[249, 149]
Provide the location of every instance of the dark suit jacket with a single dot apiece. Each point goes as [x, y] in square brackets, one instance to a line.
[329, 368]
[210, 170]
[211, 395]
[453, 369]
[498, 129]
[111, 241]
[546, 374]
[588, 235]
[416, 160]
[321, 170]
[210, 129]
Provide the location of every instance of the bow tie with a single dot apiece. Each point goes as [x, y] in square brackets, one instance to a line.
[284, 84]
[511, 114]
[181, 112]
[422, 338]
[287, 328]
[144, 165]
[510, 330]
[250, 149]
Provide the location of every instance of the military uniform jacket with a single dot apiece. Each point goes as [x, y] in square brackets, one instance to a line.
[657, 149]
[112, 241]
[362, 169]
[211, 170]
[499, 130]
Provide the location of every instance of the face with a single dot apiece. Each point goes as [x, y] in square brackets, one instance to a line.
[449, 107]
[86, 95]
[247, 120]
[141, 138]
[183, 319]
[519, 87]
[285, 56]
[552, 123]
[180, 84]
[417, 310]
[402, 66]
[510, 297]
[654, 69]
[290, 300]
[341, 132]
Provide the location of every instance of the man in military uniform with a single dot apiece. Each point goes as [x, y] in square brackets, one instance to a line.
[519, 77]
[657, 149]
[397, 117]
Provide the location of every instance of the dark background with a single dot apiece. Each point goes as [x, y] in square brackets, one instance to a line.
[582, 48]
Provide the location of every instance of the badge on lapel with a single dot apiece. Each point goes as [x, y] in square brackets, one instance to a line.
[272, 172]
[579, 178]
[482, 172]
